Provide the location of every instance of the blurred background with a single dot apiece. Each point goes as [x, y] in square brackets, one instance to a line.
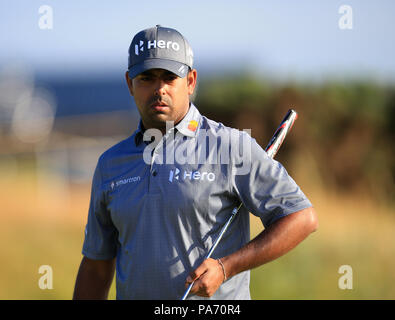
[64, 100]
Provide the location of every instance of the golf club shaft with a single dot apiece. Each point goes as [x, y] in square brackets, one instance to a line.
[224, 228]
[271, 149]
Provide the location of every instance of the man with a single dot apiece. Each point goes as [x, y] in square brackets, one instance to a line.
[154, 213]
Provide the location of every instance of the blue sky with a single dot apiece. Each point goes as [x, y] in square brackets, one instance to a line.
[283, 39]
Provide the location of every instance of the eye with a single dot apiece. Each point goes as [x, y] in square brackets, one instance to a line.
[145, 78]
[171, 77]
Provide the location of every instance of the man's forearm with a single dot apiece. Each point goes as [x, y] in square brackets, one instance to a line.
[94, 279]
[273, 242]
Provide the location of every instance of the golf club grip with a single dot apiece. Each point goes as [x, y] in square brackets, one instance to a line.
[278, 138]
[271, 149]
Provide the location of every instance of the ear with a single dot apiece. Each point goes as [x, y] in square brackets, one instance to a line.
[129, 82]
[191, 81]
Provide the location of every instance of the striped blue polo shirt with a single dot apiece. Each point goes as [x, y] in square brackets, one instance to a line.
[159, 202]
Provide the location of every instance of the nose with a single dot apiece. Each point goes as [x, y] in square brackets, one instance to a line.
[160, 87]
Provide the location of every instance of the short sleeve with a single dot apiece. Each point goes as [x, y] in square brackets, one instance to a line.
[100, 234]
[263, 185]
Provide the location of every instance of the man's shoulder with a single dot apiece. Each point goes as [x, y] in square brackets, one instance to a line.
[118, 149]
[242, 147]
[215, 126]
[219, 129]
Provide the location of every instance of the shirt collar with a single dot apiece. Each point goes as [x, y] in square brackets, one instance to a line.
[188, 126]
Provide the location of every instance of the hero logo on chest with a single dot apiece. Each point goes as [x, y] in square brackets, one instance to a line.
[178, 174]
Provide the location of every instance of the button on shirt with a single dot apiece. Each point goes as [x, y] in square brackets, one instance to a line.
[158, 205]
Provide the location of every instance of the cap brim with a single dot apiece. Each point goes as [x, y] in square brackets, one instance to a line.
[177, 68]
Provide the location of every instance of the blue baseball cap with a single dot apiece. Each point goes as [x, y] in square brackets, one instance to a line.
[162, 48]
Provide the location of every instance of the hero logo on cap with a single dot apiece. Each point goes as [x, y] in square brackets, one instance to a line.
[137, 47]
[161, 44]
[162, 48]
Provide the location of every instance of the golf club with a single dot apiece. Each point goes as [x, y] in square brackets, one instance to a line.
[271, 149]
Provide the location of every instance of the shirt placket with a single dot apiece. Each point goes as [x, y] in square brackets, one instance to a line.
[157, 158]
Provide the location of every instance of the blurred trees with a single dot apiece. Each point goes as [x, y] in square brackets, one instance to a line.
[345, 127]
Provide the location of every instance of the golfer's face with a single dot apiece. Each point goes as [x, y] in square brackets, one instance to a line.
[161, 96]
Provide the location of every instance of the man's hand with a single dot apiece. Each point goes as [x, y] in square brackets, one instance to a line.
[273, 242]
[208, 277]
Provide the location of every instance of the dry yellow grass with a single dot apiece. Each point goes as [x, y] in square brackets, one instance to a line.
[44, 226]
[353, 231]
